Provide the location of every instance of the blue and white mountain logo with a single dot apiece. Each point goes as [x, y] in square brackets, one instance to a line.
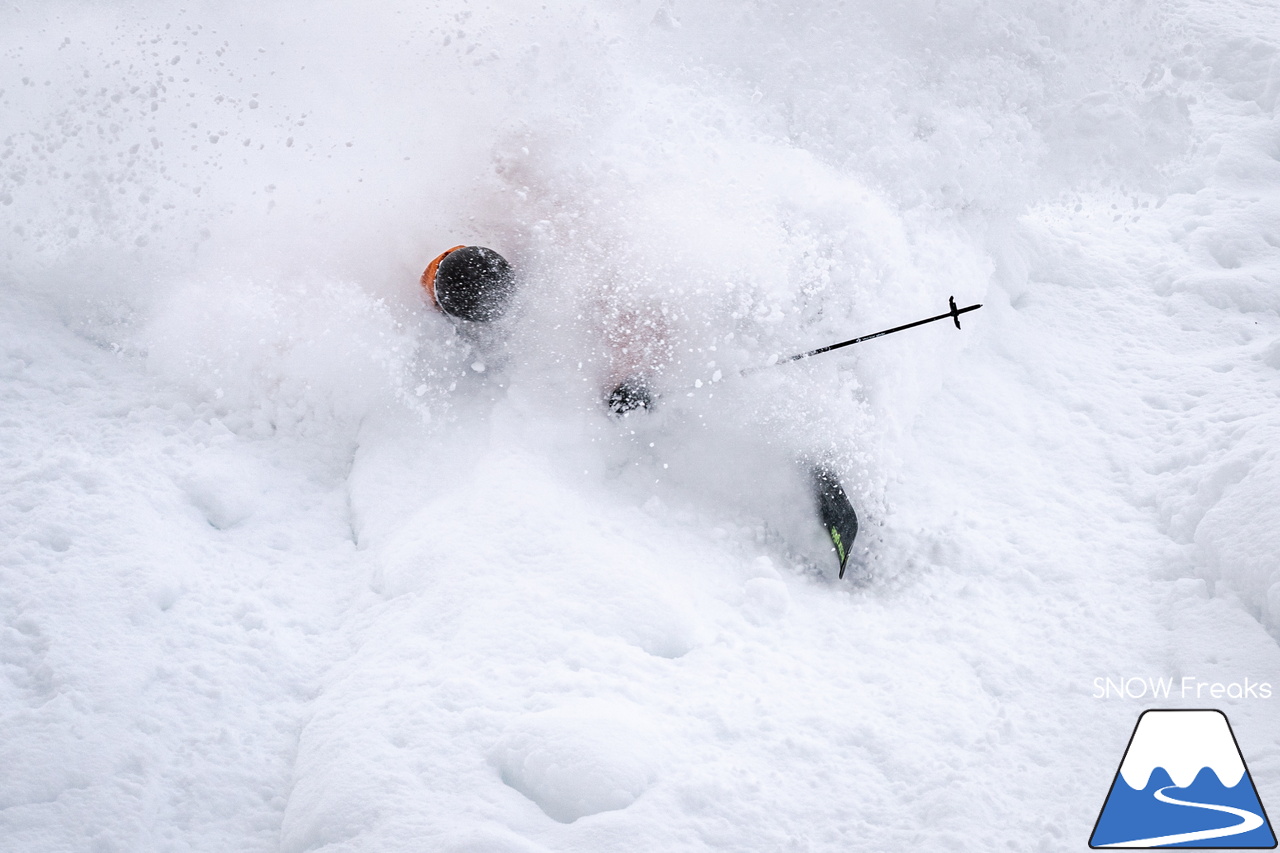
[1183, 783]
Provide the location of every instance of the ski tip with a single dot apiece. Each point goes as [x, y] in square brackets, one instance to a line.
[839, 519]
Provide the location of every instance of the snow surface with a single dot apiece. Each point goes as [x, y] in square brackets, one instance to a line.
[281, 571]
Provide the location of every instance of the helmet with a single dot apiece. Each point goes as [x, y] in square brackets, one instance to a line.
[474, 283]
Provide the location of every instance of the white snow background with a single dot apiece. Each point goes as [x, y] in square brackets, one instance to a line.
[280, 571]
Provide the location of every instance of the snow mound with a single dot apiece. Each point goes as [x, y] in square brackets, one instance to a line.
[766, 600]
[1239, 540]
[488, 841]
[579, 760]
[582, 567]
[225, 493]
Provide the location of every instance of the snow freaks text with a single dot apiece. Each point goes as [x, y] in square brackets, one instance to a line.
[1186, 687]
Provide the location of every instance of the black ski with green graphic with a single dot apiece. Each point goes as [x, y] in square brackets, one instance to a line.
[838, 517]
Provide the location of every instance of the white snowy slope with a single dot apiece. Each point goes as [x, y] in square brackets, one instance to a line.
[280, 569]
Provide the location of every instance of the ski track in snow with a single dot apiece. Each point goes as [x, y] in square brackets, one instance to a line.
[280, 572]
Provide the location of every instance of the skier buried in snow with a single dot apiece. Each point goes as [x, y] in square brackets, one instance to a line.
[474, 286]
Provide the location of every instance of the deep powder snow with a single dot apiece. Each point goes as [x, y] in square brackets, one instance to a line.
[282, 568]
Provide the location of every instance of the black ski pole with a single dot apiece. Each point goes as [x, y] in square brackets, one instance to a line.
[954, 314]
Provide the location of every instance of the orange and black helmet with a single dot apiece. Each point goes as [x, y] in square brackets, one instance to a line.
[470, 283]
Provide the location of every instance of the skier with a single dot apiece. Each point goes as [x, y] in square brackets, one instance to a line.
[474, 286]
